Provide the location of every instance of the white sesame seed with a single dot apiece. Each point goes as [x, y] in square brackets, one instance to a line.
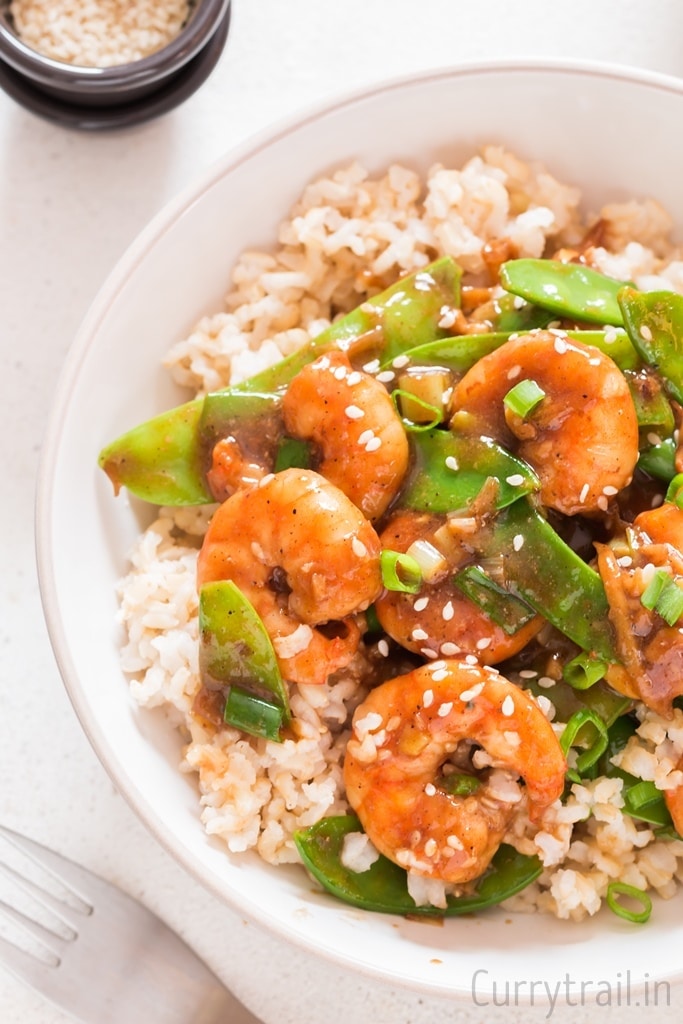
[560, 346]
[449, 650]
[420, 604]
[546, 682]
[366, 436]
[657, 500]
[609, 490]
[427, 652]
[427, 698]
[654, 438]
[448, 611]
[545, 705]
[266, 479]
[353, 412]
[482, 644]
[455, 843]
[440, 675]
[648, 572]
[448, 317]
[400, 361]
[339, 372]
[372, 366]
[430, 789]
[515, 480]
[584, 492]
[513, 372]
[445, 709]
[383, 647]
[512, 738]
[554, 324]
[594, 361]
[518, 542]
[474, 691]
[518, 302]
[323, 363]
[625, 561]
[419, 634]
[508, 706]
[353, 378]
[438, 665]
[611, 335]
[471, 660]
[602, 503]
[358, 547]
[452, 463]
[386, 376]
[646, 333]
[528, 673]
[373, 444]
[431, 847]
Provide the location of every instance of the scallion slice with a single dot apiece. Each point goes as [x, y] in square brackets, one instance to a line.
[664, 596]
[674, 492]
[640, 794]
[616, 889]
[293, 453]
[523, 398]
[252, 714]
[598, 744]
[400, 572]
[584, 671]
[404, 399]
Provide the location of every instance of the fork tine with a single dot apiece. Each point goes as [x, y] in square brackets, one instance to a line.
[64, 911]
[25, 966]
[45, 935]
[63, 870]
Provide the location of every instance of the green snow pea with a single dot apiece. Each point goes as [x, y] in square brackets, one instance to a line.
[653, 409]
[517, 317]
[567, 289]
[654, 321]
[540, 568]
[642, 799]
[658, 460]
[383, 887]
[163, 460]
[505, 609]
[451, 469]
[235, 651]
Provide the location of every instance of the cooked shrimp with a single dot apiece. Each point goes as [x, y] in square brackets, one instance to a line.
[582, 438]
[350, 416]
[230, 470]
[410, 726]
[440, 619]
[304, 556]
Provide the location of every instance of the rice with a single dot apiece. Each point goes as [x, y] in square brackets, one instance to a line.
[349, 236]
[99, 33]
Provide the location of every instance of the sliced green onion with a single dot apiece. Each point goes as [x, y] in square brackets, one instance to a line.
[371, 621]
[505, 609]
[400, 572]
[641, 794]
[430, 560]
[411, 425]
[292, 454]
[584, 671]
[664, 596]
[252, 714]
[674, 492]
[615, 889]
[523, 398]
[598, 745]
[460, 784]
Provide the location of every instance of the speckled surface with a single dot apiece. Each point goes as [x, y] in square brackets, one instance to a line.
[70, 203]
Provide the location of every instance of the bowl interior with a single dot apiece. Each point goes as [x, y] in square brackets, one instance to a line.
[587, 124]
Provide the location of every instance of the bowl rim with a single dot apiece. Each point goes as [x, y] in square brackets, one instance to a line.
[204, 19]
[121, 272]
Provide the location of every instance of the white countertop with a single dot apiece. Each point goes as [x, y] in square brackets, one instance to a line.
[70, 203]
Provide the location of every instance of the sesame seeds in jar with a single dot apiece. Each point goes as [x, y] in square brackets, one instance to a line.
[98, 33]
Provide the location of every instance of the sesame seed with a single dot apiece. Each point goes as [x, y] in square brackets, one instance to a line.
[584, 492]
[528, 673]
[452, 463]
[372, 366]
[323, 363]
[437, 665]
[400, 361]
[386, 376]
[471, 660]
[455, 843]
[373, 444]
[602, 503]
[610, 335]
[420, 604]
[427, 698]
[353, 412]
[353, 378]
[545, 705]
[440, 675]
[339, 372]
[427, 652]
[646, 333]
[445, 709]
[482, 644]
[448, 611]
[512, 738]
[554, 324]
[657, 500]
[467, 695]
[430, 847]
[625, 561]
[609, 490]
[518, 542]
[515, 480]
[508, 706]
[518, 302]
[654, 438]
[449, 650]
[430, 789]
[546, 682]
[383, 647]
[366, 436]
[513, 372]
[358, 547]
[594, 361]
[560, 346]
[419, 634]
[448, 317]
[648, 572]
[266, 479]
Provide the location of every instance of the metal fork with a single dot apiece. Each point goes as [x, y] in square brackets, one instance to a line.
[104, 957]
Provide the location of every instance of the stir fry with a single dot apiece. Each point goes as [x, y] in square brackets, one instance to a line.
[480, 485]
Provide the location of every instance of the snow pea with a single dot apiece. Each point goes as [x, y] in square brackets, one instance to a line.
[567, 289]
[163, 460]
[541, 569]
[653, 409]
[659, 460]
[383, 887]
[654, 321]
[502, 607]
[642, 799]
[451, 470]
[236, 651]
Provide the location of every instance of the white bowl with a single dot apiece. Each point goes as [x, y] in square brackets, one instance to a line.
[591, 125]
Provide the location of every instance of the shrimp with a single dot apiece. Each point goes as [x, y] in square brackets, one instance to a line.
[304, 556]
[350, 416]
[440, 619]
[230, 470]
[408, 727]
[582, 438]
